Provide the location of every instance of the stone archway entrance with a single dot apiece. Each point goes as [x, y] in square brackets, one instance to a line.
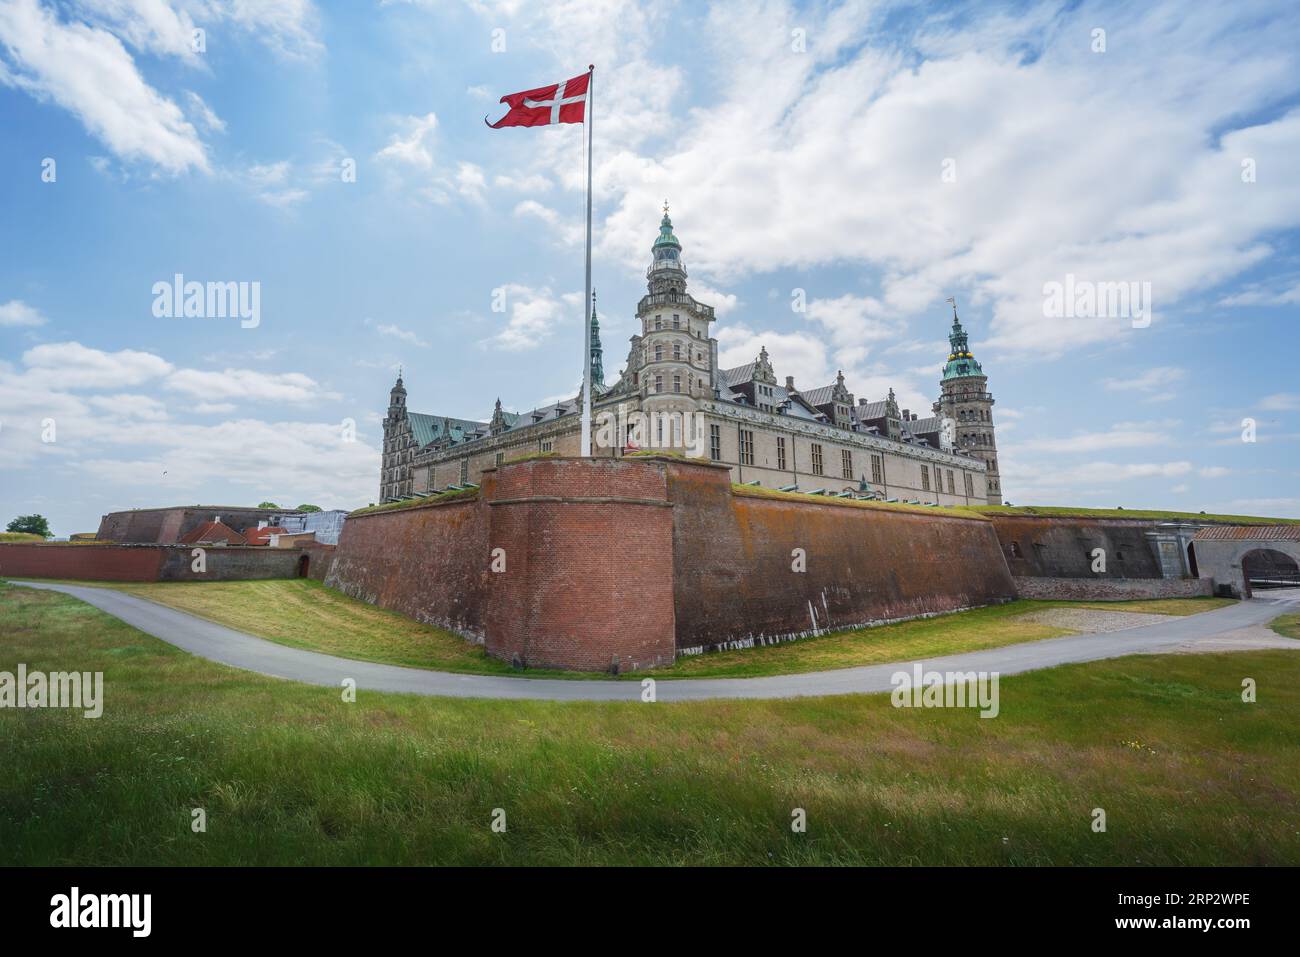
[1270, 568]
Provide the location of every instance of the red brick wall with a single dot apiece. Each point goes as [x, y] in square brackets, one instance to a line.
[428, 562]
[151, 563]
[88, 562]
[588, 564]
[735, 581]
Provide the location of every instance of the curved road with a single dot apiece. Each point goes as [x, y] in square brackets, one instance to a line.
[1225, 629]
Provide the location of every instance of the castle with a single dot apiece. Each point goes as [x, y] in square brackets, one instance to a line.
[673, 396]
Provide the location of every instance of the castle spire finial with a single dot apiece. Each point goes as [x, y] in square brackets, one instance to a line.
[953, 300]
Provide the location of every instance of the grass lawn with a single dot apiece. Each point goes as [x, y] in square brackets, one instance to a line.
[1288, 626]
[305, 614]
[290, 774]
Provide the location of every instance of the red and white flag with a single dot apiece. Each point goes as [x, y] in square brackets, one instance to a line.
[558, 103]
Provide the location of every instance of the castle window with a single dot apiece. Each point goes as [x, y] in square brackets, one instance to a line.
[659, 383]
[659, 352]
[547, 445]
[878, 469]
[780, 451]
[970, 484]
[677, 383]
[501, 457]
[952, 483]
[746, 447]
[659, 322]
[677, 350]
[925, 478]
[846, 463]
[677, 322]
[1015, 550]
[464, 471]
[715, 442]
[817, 459]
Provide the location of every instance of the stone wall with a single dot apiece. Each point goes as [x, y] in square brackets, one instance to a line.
[151, 563]
[1111, 589]
[1040, 547]
[735, 563]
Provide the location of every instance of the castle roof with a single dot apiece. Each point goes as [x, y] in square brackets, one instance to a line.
[431, 428]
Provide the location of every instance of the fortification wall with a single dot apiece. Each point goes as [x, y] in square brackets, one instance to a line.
[1039, 547]
[737, 577]
[151, 563]
[588, 579]
[429, 562]
[1111, 589]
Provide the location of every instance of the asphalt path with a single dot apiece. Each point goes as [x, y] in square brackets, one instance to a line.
[1233, 627]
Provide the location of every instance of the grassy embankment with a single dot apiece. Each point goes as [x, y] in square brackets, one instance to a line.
[289, 774]
[305, 614]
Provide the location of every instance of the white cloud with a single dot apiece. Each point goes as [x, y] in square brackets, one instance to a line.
[247, 384]
[835, 155]
[15, 312]
[413, 146]
[1158, 377]
[70, 365]
[1281, 402]
[396, 332]
[87, 71]
[533, 313]
[130, 406]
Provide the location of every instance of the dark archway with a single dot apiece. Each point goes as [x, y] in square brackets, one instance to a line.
[1269, 568]
[303, 563]
[1191, 560]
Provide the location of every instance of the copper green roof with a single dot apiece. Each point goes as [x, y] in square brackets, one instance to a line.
[960, 361]
[666, 237]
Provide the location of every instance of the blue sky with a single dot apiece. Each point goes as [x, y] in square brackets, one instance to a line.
[877, 157]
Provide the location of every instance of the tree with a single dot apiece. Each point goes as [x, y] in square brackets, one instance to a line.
[32, 524]
[309, 508]
[267, 505]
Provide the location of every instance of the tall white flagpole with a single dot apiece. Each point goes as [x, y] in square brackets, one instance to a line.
[586, 302]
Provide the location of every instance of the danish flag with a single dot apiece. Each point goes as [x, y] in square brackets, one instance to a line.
[564, 102]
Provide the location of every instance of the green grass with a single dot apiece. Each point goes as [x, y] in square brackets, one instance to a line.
[21, 537]
[289, 774]
[974, 630]
[1288, 626]
[1054, 511]
[758, 491]
[305, 614]
[441, 498]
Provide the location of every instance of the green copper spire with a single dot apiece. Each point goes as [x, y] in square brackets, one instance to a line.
[960, 361]
[597, 362]
[666, 237]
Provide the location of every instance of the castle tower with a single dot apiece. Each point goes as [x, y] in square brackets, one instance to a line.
[597, 354]
[678, 355]
[394, 478]
[964, 398]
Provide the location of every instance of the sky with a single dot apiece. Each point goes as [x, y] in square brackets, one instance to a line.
[835, 172]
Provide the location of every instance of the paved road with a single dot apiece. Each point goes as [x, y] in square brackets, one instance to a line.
[1223, 629]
